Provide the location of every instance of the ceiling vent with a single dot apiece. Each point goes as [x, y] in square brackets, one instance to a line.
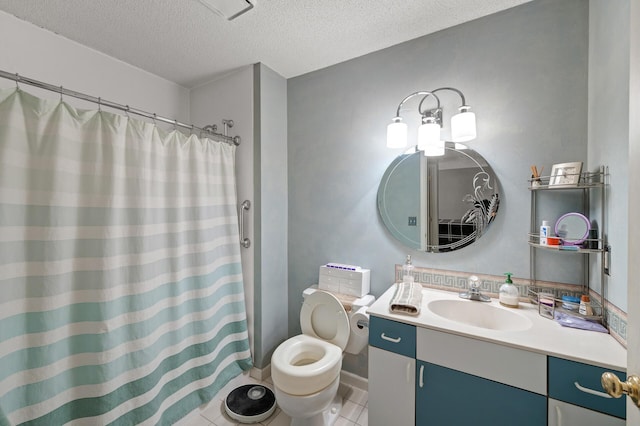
[229, 9]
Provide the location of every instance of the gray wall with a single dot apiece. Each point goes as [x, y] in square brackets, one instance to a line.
[255, 97]
[609, 127]
[523, 70]
[231, 97]
[270, 211]
[43, 55]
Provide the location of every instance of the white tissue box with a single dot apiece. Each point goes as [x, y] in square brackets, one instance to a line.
[345, 279]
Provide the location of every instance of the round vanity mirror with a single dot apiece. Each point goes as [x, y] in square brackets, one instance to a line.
[438, 204]
[573, 228]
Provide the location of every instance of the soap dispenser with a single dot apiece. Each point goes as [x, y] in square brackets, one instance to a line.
[509, 293]
[407, 271]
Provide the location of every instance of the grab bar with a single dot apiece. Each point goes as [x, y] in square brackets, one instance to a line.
[244, 241]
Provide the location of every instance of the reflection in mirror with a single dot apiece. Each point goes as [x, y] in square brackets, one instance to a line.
[438, 204]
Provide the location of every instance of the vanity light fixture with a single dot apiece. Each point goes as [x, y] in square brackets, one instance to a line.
[463, 124]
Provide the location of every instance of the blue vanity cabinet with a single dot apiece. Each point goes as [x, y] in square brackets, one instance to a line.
[391, 373]
[449, 397]
[421, 376]
[464, 381]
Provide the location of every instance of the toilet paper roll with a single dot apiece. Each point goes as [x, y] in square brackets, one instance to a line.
[362, 316]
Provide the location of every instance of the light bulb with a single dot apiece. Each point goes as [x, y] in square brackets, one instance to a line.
[463, 125]
[397, 134]
[428, 134]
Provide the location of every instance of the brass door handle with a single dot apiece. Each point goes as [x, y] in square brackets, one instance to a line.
[617, 388]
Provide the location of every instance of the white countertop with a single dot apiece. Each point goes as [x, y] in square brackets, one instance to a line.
[545, 335]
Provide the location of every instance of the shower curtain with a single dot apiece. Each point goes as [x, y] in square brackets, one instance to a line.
[121, 298]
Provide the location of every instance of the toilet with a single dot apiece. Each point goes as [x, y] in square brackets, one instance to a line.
[306, 368]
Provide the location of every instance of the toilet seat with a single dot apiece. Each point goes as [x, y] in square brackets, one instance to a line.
[322, 316]
[303, 365]
[309, 362]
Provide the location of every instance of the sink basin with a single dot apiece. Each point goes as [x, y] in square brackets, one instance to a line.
[479, 314]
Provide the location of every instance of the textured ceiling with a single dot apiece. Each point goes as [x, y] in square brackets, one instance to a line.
[185, 42]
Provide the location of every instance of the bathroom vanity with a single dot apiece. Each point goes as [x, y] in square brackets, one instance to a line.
[483, 364]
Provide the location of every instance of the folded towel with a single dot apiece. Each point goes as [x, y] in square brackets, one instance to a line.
[406, 299]
[567, 320]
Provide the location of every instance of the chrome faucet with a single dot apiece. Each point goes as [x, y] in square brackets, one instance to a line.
[474, 291]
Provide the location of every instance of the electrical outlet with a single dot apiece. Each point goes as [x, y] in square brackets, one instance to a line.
[607, 260]
[413, 221]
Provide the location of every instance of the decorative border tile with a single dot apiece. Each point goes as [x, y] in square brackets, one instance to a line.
[616, 321]
[457, 281]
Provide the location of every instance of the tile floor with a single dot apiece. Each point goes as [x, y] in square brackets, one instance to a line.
[355, 408]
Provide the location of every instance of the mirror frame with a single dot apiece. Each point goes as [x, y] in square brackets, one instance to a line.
[569, 237]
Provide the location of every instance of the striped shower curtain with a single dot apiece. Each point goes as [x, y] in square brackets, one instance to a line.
[121, 298]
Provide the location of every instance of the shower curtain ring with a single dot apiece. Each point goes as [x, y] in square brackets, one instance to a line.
[99, 104]
[61, 89]
[175, 125]
[17, 81]
[126, 111]
[154, 119]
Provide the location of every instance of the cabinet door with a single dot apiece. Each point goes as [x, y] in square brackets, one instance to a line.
[391, 388]
[449, 397]
[563, 414]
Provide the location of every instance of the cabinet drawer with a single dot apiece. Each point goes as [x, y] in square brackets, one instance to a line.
[392, 336]
[571, 382]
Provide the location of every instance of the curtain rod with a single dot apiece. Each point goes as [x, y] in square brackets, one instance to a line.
[209, 130]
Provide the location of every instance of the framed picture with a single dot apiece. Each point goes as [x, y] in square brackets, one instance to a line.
[565, 174]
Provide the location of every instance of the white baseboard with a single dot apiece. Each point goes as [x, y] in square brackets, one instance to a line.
[260, 373]
[354, 380]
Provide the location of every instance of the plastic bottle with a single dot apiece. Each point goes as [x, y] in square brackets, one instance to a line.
[509, 293]
[570, 303]
[407, 271]
[585, 305]
[544, 233]
[592, 242]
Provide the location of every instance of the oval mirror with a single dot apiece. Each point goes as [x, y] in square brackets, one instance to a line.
[573, 228]
[438, 204]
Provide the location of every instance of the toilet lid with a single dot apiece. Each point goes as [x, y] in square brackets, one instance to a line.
[322, 316]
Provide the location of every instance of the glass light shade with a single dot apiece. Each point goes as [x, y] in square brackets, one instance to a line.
[434, 149]
[463, 126]
[397, 134]
[428, 134]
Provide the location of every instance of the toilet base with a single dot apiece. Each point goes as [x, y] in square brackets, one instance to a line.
[327, 417]
[318, 409]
